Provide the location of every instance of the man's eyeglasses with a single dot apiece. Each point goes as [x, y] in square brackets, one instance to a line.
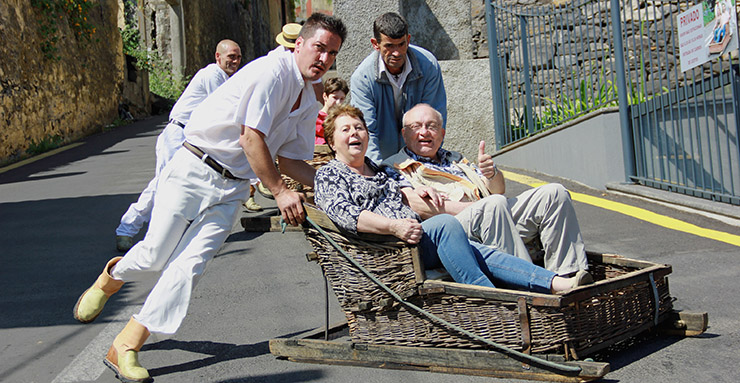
[430, 126]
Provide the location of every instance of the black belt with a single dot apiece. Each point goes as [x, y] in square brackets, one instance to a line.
[178, 123]
[203, 156]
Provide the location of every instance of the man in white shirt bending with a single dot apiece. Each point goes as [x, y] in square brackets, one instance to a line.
[228, 58]
[267, 109]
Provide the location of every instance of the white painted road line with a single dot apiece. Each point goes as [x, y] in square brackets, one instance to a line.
[88, 365]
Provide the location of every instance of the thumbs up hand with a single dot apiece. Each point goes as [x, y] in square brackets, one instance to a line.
[485, 162]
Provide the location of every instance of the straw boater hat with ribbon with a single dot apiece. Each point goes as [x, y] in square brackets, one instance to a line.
[289, 34]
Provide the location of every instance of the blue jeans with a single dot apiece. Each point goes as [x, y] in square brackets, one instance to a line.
[444, 243]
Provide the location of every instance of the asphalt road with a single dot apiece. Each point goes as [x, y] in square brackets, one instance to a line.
[57, 221]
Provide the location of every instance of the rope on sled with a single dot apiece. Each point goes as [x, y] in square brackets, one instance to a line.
[500, 348]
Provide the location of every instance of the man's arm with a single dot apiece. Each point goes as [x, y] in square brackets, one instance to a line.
[426, 208]
[210, 80]
[289, 202]
[361, 96]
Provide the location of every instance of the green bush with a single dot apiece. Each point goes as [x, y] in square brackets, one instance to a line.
[47, 143]
[163, 81]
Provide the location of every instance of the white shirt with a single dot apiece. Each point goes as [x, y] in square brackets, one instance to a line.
[396, 81]
[201, 85]
[281, 48]
[259, 96]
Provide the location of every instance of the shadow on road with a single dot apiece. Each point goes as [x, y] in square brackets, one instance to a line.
[220, 352]
[285, 377]
[94, 145]
[637, 348]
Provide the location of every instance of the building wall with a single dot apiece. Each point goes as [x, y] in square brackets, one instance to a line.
[445, 29]
[69, 97]
[187, 32]
[304, 8]
[589, 152]
[469, 106]
[208, 22]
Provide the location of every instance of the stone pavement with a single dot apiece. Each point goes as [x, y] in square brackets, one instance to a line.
[57, 221]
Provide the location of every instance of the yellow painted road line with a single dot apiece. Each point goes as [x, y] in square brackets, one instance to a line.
[636, 212]
[40, 156]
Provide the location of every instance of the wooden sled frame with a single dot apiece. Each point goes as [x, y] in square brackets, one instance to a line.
[337, 347]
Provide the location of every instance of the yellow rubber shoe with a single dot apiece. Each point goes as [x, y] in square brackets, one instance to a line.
[91, 302]
[123, 355]
[127, 367]
[251, 205]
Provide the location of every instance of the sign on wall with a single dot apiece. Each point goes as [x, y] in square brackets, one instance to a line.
[706, 31]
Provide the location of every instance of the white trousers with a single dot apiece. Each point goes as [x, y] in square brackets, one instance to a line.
[545, 212]
[168, 142]
[194, 212]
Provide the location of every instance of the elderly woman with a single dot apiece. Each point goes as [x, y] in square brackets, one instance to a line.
[359, 197]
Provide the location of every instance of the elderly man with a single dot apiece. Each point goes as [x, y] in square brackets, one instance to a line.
[228, 57]
[476, 197]
[391, 80]
[267, 109]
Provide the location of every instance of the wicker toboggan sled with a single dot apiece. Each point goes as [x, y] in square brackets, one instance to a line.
[397, 318]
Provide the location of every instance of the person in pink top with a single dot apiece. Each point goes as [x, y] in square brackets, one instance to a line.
[335, 91]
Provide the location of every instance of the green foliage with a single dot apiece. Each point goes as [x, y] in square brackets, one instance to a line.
[46, 144]
[130, 37]
[54, 12]
[116, 123]
[163, 81]
[585, 101]
[520, 127]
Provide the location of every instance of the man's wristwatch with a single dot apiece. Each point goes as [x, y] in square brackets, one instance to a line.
[495, 171]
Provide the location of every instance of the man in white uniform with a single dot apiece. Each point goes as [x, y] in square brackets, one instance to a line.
[266, 109]
[228, 58]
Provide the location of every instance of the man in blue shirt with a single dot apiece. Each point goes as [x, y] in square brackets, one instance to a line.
[390, 81]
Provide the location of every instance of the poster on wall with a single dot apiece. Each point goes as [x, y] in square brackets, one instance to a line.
[706, 31]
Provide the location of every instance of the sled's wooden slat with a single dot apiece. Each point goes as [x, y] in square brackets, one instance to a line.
[454, 361]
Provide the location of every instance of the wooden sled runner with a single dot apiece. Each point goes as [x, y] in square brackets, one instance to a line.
[398, 318]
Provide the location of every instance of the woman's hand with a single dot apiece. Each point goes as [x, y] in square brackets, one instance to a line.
[407, 229]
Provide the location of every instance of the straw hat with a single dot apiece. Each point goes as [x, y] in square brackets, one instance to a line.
[289, 34]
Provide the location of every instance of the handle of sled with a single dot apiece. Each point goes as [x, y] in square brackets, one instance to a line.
[533, 360]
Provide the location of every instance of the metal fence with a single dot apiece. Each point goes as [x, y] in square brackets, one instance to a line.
[553, 64]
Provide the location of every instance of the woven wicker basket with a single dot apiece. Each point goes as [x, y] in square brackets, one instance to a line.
[321, 156]
[619, 305]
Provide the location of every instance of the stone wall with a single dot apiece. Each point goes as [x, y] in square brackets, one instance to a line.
[187, 31]
[469, 106]
[570, 44]
[68, 97]
[206, 26]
